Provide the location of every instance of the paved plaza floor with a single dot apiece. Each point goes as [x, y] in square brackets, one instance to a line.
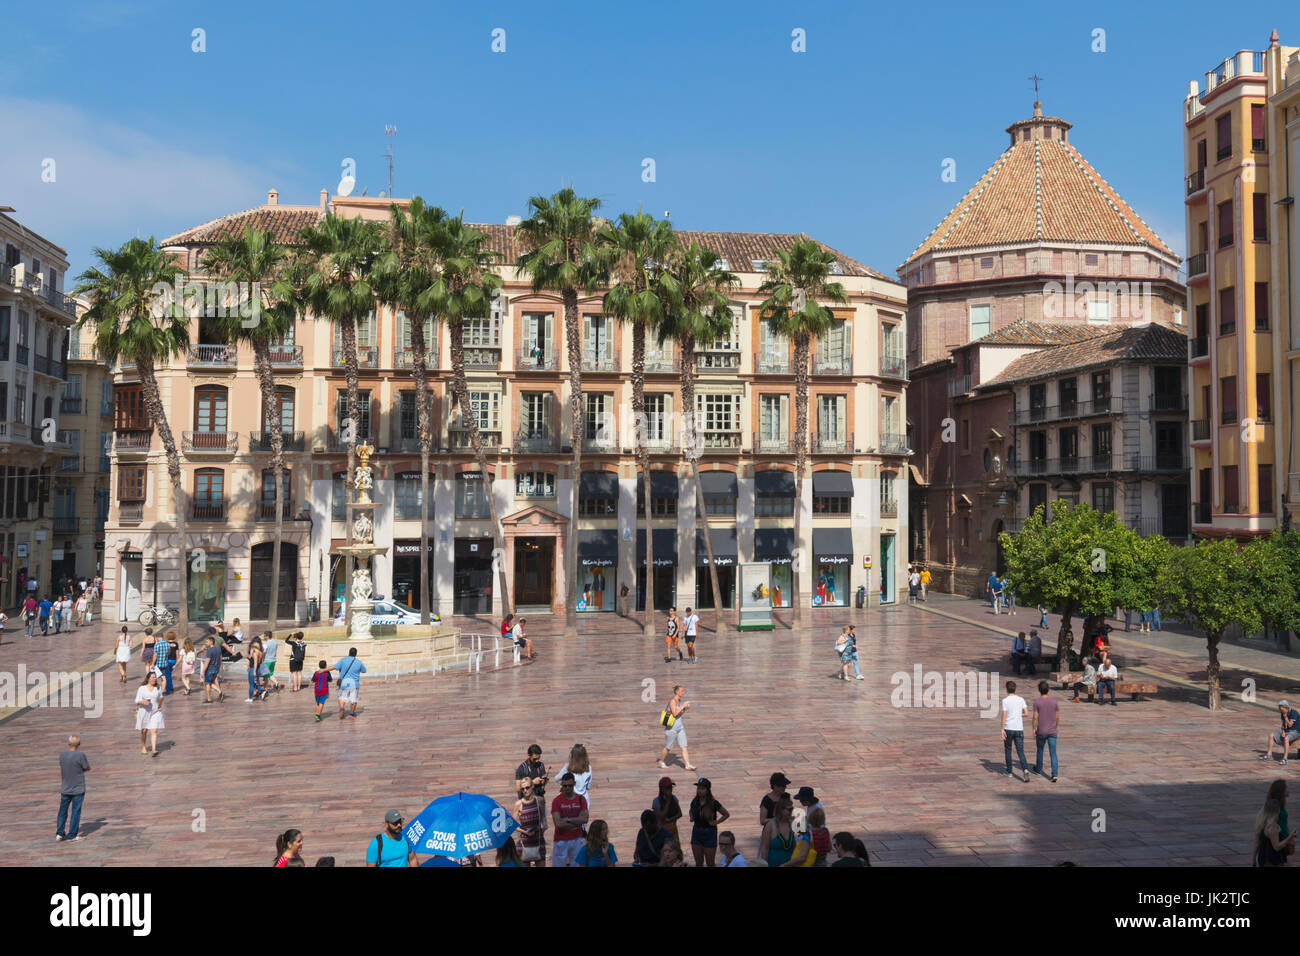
[1160, 781]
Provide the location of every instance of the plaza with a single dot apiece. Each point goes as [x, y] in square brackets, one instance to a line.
[1174, 783]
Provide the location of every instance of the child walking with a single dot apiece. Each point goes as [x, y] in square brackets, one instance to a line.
[321, 686]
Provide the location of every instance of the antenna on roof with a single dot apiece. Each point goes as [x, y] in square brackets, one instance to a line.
[390, 132]
[1037, 79]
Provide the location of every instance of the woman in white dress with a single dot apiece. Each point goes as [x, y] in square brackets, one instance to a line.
[122, 653]
[148, 711]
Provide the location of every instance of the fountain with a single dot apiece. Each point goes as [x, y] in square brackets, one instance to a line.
[363, 546]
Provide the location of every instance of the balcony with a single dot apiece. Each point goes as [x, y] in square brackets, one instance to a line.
[529, 360]
[1168, 402]
[1196, 181]
[105, 408]
[771, 363]
[893, 366]
[211, 356]
[959, 386]
[1200, 429]
[593, 362]
[51, 366]
[1200, 346]
[893, 443]
[536, 440]
[285, 356]
[1197, 264]
[261, 441]
[208, 511]
[458, 440]
[130, 513]
[1225, 240]
[405, 358]
[69, 463]
[834, 444]
[23, 355]
[1168, 462]
[72, 405]
[266, 510]
[132, 441]
[66, 524]
[407, 445]
[1228, 328]
[367, 357]
[1232, 67]
[105, 464]
[659, 362]
[1085, 409]
[889, 508]
[772, 446]
[335, 442]
[210, 443]
[482, 357]
[63, 303]
[601, 444]
[1062, 466]
[720, 441]
[842, 365]
[714, 360]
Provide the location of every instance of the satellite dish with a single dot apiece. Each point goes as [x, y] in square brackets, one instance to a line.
[346, 185]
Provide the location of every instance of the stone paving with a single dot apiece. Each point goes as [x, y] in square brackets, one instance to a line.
[1178, 785]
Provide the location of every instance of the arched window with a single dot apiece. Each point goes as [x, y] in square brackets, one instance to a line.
[209, 494]
[285, 394]
[211, 409]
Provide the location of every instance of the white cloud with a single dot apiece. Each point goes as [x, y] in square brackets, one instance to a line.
[113, 182]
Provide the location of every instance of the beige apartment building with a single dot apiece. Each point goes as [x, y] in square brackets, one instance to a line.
[1245, 315]
[34, 319]
[854, 502]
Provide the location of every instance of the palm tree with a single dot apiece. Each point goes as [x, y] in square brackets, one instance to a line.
[796, 287]
[410, 267]
[331, 279]
[637, 249]
[136, 320]
[560, 254]
[256, 260]
[697, 288]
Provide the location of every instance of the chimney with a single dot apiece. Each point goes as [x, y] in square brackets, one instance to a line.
[272, 197]
[324, 198]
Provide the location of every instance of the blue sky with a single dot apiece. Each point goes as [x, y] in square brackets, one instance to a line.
[844, 141]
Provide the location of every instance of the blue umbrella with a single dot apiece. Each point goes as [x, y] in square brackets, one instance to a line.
[437, 861]
[459, 825]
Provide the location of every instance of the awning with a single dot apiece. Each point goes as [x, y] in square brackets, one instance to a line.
[597, 548]
[663, 484]
[833, 545]
[598, 484]
[916, 476]
[774, 484]
[718, 483]
[833, 483]
[665, 542]
[774, 545]
[723, 541]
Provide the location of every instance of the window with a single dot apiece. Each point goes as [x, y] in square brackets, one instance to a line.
[20, 403]
[482, 333]
[1100, 390]
[1067, 392]
[128, 407]
[1089, 260]
[1266, 489]
[1069, 438]
[210, 409]
[5, 312]
[1103, 496]
[407, 496]
[661, 507]
[1257, 127]
[1225, 224]
[724, 352]
[833, 348]
[1098, 311]
[773, 349]
[534, 484]
[986, 262]
[980, 320]
[774, 419]
[1263, 397]
[338, 498]
[1231, 496]
[770, 506]
[24, 337]
[365, 342]
[887, 480]
[1228, 400]
[589, 507]
[408, 417]
[268, 493]
[285, 394]
[964, 525]
[363, 414]
[538, 344]
[130, 483]
[718, 418]
[832, 505]
[1261, 306]
[1227, 311]
[209, 494]
[1259, 216]
[890, 429]
[722, 504]
[656, 418]
[430, 338]
[535, 416]
[1037, 401]
[598, 419]
[1037, 496]
[1102, 449]
[486, 408]
[891, 340]
[471, 495]
[4, 401]
[598, 341]
[1223, 135]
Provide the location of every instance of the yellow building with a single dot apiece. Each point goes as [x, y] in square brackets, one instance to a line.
[1245, 367]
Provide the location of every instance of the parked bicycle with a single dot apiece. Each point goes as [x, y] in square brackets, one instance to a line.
[154, 615]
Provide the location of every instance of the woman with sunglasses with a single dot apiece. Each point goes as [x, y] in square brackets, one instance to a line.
[530, 811]
[776, 845]
[706, 814]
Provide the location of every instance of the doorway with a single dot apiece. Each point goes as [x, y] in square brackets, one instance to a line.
[1173, 512]
[665, 585]
[704, 586]
[132, 578]
[260, 586]
[887, 590]
[472, 576]
[534, 572]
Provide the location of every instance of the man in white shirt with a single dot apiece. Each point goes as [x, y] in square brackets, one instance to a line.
[727, 850]
[1013, 728]
[1107, 674]
[270, 650]
[692, 622]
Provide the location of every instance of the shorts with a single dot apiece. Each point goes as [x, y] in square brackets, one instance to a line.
[295, 667]
[670, 640]
[1291, 735]
[691, 638]
[564, 852]
[210, 676]
[706, 837]
[675, 736]
[270, 669]
[321, 698]
[348, 695]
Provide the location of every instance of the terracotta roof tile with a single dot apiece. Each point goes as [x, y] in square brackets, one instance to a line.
[1031, 332]
[284, 222]
[1140, 343]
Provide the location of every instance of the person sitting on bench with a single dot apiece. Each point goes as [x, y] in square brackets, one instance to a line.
[1107, 674]
[1289, 733]
[1020, 653]
[1089, 681]
[1035, 650]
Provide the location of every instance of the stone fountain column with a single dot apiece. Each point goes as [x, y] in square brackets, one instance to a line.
[363, 547]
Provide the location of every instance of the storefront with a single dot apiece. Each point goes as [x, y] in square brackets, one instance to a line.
[665, 569]
[832, 563]
[406, 572]
[887, 586]
[205, 592]
[723, 542]
[472, 576]
[597, 569]
[775, 547]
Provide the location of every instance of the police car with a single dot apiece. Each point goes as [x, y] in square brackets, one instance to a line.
[387, 613]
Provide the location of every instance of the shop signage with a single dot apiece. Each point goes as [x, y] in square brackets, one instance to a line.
[132, 556]
[412, 548]
[99, 546]
[832, 559]
[597, 563]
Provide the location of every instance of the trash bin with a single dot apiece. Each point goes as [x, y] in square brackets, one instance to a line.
[862, 596]
[313, 609]
[300, 612]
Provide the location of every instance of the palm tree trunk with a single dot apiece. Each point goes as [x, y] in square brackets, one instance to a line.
[470, 422]
[420, 372]
[271, 402]
[691, 445]
[348, 336]
[153, 403]
[643, 467]
[573, 342]
[800, 462]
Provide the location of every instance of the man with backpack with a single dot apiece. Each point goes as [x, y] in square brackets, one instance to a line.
[390, 848]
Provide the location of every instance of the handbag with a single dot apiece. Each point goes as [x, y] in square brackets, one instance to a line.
[666, 718]
[531, 854]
